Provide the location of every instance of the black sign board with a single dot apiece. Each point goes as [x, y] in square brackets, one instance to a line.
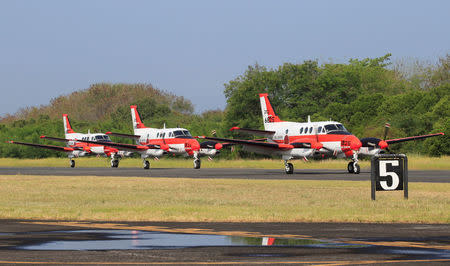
[389, 172]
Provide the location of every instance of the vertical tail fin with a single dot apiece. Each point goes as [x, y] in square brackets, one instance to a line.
[137, 123]
[267, 110]
[67, 128]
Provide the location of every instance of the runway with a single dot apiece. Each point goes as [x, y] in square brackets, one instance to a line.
[69, 242]
[440, 176]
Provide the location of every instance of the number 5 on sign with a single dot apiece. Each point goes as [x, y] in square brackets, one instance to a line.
[384, 173]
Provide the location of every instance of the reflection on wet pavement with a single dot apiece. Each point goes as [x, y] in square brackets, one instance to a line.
[128, 239]
[133, 239]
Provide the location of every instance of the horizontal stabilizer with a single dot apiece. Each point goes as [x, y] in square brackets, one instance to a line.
[258, 132]
[123, 146]
[254, 143]
[56, 139]
[123, 135]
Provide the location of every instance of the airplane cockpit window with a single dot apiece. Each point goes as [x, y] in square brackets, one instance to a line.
[336, 129]
[184, 134]
[319, 130]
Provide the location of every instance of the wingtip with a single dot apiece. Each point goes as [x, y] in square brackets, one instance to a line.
[42, 137]
[234, 128]
[9, 141]
[108, 133]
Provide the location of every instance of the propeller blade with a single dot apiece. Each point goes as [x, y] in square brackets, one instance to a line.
[386, 130]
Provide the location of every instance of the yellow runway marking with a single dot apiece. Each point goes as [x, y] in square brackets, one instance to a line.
[327, 263]
[166, 229]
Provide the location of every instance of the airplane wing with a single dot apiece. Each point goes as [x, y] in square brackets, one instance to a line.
[123, 135]
[51, 147]
[124, 146]
[254, 143]
[257, 132]
[392, 141]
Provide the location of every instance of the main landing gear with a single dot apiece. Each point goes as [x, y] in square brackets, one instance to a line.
[72, 163]
[288, 167]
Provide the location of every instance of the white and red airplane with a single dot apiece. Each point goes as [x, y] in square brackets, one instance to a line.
[294, 140]
[77, 148]
[155, 142]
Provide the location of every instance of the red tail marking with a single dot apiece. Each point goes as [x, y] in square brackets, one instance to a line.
[69, 128]
[139, 123]
[270, 112]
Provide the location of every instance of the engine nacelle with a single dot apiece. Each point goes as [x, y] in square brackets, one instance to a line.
[78, 153]
[207, 152]
[154, 152]
[300, 152]
[124, 153]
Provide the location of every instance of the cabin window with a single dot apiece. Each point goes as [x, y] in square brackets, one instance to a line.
[310, 130]
[301, 130]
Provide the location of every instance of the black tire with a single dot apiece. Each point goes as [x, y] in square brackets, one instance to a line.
[289, 168]
[146, 164]
[115, 164]
[350, 167]
[357, 169]
[197, 164]
[72, 163]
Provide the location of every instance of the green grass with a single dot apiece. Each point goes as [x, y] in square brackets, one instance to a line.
[415, 163]
[237, 200]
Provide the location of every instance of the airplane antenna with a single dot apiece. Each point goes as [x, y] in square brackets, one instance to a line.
[89, 131]
[309, 119]
[164, 125]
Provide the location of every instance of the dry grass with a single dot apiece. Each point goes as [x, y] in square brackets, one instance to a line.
[163, 199]
[415, 163]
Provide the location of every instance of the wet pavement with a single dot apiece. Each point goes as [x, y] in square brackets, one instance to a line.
[274, 243]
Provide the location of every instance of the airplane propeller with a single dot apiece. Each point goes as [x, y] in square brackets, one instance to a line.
[376, 142]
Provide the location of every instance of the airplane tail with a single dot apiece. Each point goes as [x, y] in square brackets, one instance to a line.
[67, 128]
[137, 123]
[267, 110]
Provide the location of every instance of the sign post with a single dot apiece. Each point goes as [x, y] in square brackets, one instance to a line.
[389, 172]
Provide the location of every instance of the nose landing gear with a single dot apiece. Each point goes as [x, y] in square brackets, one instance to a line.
[288, 167]
[353, 166]
[146, 164]
[72, 163]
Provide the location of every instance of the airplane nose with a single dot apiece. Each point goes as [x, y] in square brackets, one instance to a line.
[355, 144]
[195, 145]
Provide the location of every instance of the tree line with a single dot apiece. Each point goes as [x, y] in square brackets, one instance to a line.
[361, 94]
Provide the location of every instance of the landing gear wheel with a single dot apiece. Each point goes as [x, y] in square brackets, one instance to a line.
[72, 163]
[356, 169]
[114, 163]
[350, 167]
[197, 164]
[146, 164]
[289, 168]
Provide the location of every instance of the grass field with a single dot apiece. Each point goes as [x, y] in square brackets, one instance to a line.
[415, 163]
[237, 200]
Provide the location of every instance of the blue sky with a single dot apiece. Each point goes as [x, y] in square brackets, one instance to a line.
[191, 48]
